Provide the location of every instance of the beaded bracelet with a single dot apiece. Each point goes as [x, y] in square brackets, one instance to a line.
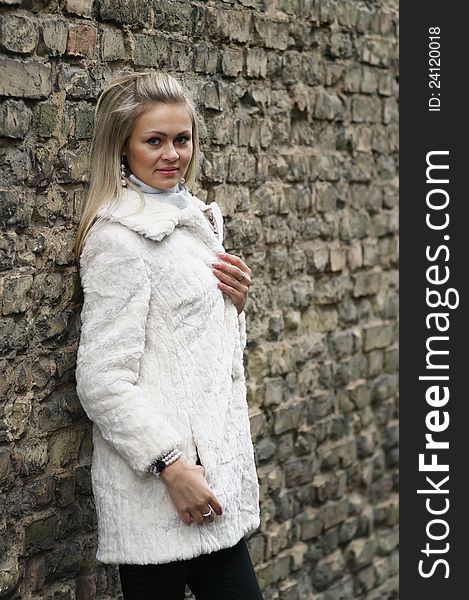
[161, 463]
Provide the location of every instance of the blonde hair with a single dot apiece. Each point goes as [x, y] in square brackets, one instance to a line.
[117, 109]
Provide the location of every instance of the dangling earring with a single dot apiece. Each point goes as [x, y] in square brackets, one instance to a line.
[123, 181]
[182, 181]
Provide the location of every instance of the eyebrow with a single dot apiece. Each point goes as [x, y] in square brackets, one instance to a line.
[164, 134]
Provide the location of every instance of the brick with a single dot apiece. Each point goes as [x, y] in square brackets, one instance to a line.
[151, 51]
[84, 120]
[18, 33]
[16, 166]
[328, 106]
[328, 569]
[390, 111]
[242, 168]
[310, 524]
[385, 83]
[179, 16]
[264, 574]
[4, 463]
[340, 46]
[205, 58]
[16, 294]
[337, 257]
[63, 448]
[34, 454]
[347, 15]
[388, 541]
[273, 391]
[112, 45]
[354, 225]
[391, 360]
[300, 471]
[352, 79]
[11, 576]
[258, 423]
[228, 25]
[256, 62]
[73, 164]
[82, 40]
[15, 119]
[321, 404]
[53, 40]
[135, 13]
[366, 283]
[384, 386]
[366, 109]
[355, 255]
[76, 82]
[360, 552]
[26, 79]
[58, 410]
[265, 449]
[47, 119]
[369, 81]
[232, 61]
[334, 513]
[377, 51]
[82, 8]
[377, 336]
[331, 289]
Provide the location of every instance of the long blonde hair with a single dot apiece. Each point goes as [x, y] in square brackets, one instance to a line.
[117, 109]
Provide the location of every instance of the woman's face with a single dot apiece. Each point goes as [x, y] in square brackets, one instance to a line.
[160, 147]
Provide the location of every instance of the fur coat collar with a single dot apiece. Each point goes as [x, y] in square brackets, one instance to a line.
[160, 214]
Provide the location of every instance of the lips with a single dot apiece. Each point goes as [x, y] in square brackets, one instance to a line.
[167, 170]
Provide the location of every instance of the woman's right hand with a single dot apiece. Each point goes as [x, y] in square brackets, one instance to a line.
[190, 491]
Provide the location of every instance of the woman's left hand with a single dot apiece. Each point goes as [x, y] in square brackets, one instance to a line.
[235, 278]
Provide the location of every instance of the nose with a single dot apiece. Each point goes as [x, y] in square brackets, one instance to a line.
[170, 152]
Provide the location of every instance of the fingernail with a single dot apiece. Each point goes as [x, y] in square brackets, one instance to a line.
[221, 253]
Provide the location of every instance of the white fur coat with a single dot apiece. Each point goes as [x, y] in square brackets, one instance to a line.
[160, 365]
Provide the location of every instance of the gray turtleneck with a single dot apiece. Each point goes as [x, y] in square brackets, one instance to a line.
[148, 189]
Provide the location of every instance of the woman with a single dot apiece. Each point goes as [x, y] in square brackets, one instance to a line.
[160, 359]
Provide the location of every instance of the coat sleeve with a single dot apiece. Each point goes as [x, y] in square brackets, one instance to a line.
[242, 315]
[116, 290]
[242, 329]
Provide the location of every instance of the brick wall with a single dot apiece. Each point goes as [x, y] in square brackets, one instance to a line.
[299, 100]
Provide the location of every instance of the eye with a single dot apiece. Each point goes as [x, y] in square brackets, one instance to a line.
[182, 139]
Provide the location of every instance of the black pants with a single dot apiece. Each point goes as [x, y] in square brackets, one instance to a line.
[227, 574]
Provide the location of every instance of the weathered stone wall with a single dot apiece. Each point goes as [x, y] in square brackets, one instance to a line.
[300, 140]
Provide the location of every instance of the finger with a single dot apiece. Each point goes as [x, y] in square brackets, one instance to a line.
[237, 274]
[233, 293]
[197, 516]
[234, 280]
[216, 506]
[186, 517]
[209, 514]
[235, 260]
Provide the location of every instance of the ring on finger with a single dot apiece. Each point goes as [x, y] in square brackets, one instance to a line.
[209, 512]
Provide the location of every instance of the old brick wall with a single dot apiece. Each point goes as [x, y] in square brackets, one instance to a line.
[299, 100]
